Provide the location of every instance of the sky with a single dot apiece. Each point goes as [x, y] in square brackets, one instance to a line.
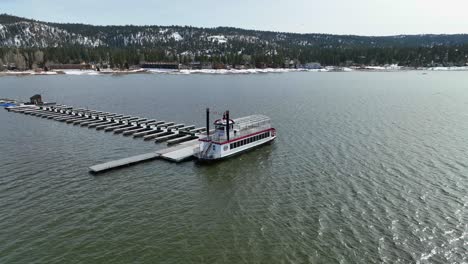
[356, 17]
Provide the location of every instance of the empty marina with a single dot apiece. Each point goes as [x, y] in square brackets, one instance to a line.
[182, 139]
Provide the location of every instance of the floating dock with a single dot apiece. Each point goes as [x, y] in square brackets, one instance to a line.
[182, 138]
[177, 153]
[123, 162]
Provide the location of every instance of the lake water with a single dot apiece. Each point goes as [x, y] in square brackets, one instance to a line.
[367, 167]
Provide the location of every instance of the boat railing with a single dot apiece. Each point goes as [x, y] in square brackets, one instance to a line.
[237, 134]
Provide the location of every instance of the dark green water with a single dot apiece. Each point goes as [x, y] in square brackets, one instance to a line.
[367, 168]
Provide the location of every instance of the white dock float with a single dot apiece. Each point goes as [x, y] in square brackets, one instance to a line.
[165, 124]
[144, 133]
[186, 128]
[60, 118]
[53, 113]
[106, 123]
[56, 114]
[74, 120]
[103, 122]
[180, 152]
[70, 120]
[155, 134]
[77, 122]
[120, 130]
[180, 139]
[52, 116]
[47, 116]
[42, 115]
[154, 124]
[91, 121]
[21, 111]
[177, 153]
[196, 130]
[65, 118]
[148, 122]
[133, 131]
[33, 113]
[140, 120]
[175, 126]
[103, 126]
[112, 128]
[123, 162]
[128, 120]
[108, 117]
[166, 137]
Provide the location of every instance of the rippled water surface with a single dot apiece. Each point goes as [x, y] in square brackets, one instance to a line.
[367, 167]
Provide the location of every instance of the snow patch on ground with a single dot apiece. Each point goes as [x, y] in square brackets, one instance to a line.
[246, 71]
[392, 67]
[463, 68]
[176, 36]
[219, 39]
[79, 72]
[45, 73]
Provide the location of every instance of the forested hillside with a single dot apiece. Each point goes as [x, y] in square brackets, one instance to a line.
[28, 44]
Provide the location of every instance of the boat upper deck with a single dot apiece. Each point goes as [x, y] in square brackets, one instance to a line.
[252, 121]
[241, 127]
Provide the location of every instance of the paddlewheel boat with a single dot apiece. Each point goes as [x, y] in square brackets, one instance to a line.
[233, 136]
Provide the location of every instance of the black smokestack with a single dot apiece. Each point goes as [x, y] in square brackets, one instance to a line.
[227, 124]
[208, 122]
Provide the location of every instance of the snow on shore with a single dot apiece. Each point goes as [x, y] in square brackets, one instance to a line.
[231, 71]
[244, 71]
[465, 68]
[79, 72]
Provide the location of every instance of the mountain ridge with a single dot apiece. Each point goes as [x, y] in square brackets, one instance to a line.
[151, 35]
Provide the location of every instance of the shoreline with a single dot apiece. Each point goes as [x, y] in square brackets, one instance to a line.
[228, 72]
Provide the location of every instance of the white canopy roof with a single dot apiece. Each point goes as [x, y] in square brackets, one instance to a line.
[251, 121]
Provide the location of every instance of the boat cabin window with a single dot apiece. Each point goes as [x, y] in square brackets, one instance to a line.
[249, 140]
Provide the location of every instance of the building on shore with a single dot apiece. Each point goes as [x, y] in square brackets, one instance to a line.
[241, 67]
[292, 64]
[312, 66]
[219, 66]
[196, 65]
[161, 65]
